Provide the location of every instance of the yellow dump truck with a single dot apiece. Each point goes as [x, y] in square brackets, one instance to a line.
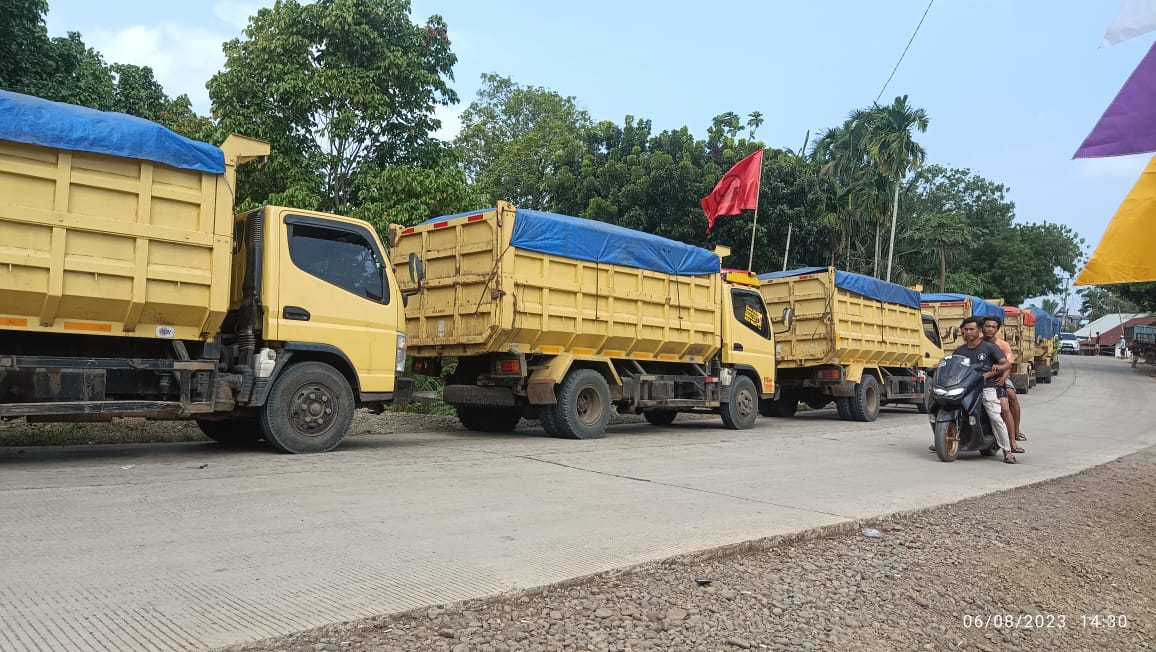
[949, 311]
[858, 341]
[562, 319]
[1019, 329]
[130, 289]
[1046, 353]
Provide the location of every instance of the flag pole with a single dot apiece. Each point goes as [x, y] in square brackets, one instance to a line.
[787, 250]
[755, 221]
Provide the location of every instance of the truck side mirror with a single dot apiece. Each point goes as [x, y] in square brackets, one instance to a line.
[788, 320]
[416, 270]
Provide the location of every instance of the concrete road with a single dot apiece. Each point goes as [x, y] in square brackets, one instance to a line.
[186, 546]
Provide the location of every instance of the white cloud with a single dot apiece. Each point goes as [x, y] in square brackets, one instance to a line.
[1113, 167]
[183, 58]
[235, 14]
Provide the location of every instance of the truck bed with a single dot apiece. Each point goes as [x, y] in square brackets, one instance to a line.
[484, 294]
[99, 244]
[835, 325]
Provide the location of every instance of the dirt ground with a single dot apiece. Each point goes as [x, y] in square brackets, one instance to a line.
[1068, 564]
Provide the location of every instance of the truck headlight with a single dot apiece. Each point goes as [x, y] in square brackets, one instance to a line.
[402, 346]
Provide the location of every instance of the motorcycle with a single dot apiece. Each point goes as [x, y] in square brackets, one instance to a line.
[958, 418]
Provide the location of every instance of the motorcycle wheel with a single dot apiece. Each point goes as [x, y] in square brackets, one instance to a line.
[947, 440]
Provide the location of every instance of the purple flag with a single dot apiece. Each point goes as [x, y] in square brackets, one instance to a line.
[1129, 124]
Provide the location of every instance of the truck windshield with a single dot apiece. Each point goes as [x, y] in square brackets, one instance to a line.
[751, 310]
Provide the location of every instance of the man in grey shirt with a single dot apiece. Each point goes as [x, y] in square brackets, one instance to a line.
[988, 359]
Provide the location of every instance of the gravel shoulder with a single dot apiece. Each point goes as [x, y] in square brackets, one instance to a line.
[1068, 564]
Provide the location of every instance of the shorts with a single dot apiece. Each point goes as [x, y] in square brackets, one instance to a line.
[1001, 392]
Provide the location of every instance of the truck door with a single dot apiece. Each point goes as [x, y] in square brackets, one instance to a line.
[747, 336]
[332, 291]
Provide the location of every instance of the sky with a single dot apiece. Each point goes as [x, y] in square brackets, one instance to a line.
[1011, 88]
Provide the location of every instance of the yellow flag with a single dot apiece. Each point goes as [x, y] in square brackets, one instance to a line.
[1127, 252]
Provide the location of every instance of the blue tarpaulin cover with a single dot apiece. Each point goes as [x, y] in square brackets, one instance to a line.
[1047, 326]
[35, 121]
[582, 239]
[979, 307]
[868, 286]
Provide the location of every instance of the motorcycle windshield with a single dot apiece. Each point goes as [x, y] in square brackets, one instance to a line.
[955, 371]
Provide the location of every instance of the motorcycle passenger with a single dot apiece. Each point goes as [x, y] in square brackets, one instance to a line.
[991, 362]
[1008, 399]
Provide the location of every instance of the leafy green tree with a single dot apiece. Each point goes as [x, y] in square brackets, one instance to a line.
[1050, 306]
[1143, 295]
[338, 87]
[23, 42]
[515, 137]
[137, 92]
[947, 236]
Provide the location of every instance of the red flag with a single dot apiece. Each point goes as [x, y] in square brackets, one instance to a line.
[737, 190]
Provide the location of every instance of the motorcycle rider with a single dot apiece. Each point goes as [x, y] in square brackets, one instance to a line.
[992, 363]
[1004, 389]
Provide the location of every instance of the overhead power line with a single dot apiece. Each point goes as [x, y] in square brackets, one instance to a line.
[892, 75]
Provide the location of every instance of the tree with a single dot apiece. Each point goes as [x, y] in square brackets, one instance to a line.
[754, 122]
[945, 235]
[515, 137]
[337, 87]
[1050, 306]
[894, 150]
[23, 42]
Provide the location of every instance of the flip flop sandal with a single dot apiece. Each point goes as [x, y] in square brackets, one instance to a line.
[1009, 459]
[1017, 449]
[1021, 436]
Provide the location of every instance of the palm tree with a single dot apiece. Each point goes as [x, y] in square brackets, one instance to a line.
[894, 151]
[756, 121]
[1050, 306]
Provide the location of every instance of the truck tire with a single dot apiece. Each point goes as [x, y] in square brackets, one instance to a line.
[660, 417]
[309, 409]
[843, 407]
[488, 419]
[783, 407]
[548, 417]
[231, 432]
[742, 406]
[583, 408]
[865, 403]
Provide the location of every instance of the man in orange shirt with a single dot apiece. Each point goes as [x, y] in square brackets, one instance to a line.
[1009, 402]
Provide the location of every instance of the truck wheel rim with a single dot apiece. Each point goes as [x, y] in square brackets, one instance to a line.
[745, 402]
[313, 409]
[589, 406]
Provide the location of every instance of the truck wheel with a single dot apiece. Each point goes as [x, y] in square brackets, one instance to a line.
[865, 403]
[309, 409]
[843, 407]
[742, 406]
[660, 417]
[548, 417]
[488, 419]
[583, 408]
[946, 440]
[231, 432]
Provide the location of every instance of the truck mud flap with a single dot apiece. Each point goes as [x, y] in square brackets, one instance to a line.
[474, 395]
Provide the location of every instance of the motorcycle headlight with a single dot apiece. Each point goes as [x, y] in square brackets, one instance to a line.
[954, 393]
